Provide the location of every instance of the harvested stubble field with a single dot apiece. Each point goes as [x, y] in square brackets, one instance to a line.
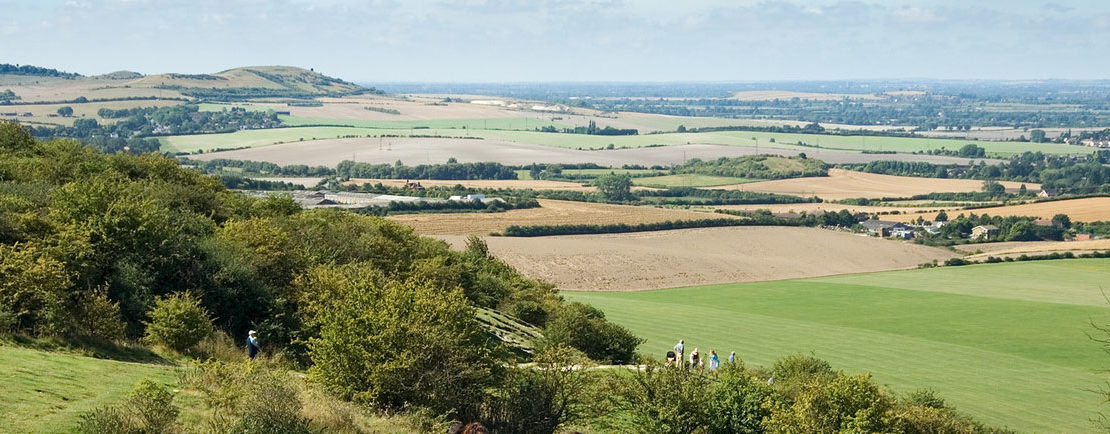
[329, 152]
[817, 208]
[480, 183]
[550, 212]
[668, 259]
[1008, 343]
[1018, 248]
[845, 184]
[1090, 209]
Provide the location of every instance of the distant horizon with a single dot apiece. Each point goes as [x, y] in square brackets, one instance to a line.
[636, 41]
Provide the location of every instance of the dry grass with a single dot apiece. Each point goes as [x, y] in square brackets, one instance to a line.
[844, 184]
[817, 208]
[41, 112]
[1017, 248]
[665, 259]
[551, 212]
[1091, 209]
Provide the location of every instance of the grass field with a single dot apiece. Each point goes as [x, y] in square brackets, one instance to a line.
[1007, 343]
[689, 180]
[574, 141]
[513, 123]
[1090, 209]
[47, 392]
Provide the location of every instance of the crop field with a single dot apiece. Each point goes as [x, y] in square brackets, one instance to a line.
[818, 208]
[782, 141]
[41, 112]
[668, 259]
[525, 174]
[1017, 248]
[551, 212]
[844, 184]
[481, 183]
[1090, 209]
[512, 123]
[689, 180]
[1007, 343]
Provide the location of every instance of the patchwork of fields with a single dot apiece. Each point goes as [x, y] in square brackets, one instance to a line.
[1007, 343]
[1089, 209]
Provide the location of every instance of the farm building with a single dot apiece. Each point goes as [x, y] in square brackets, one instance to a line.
[984, 231]
[1082, 237]
[1049, 192]
[884, 229]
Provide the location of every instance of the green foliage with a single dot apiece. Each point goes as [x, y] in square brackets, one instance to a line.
[178, 322]
[661, 400]
[33, 288]
[248, 397]
[584, 328]
[451, 170]
[398, 344]
[843, 404]
[756, 166]
[614, 187]
[148, 410]
[556, 391]
[736, 402]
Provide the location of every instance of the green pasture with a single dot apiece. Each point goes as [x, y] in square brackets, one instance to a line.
[518, 123]
[689, 180]
[47, 392]
[250, 138]
[1008, 343]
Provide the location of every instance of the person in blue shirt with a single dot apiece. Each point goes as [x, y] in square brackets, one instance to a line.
[252, 344]
[732, 358]
[714, 362]
[679, 352]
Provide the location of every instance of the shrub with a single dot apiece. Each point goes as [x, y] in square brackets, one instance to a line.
[660, 400]
[844, 404]
[539, 400]
[585, 328]
[149, 409]
[248, 397]
[98, 317]
[398, 344]
[32, 288]
[736, 402]
[178, 322]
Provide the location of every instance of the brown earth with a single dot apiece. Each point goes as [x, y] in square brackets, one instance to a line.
[845, 184]
[817, 208]
[667, 259]
[1089, 209]
[551, 212]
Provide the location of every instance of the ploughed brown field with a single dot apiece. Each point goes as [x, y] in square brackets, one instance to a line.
[551, 212]
[1090, 209]
[666, 259]
[480, 183]
[818, 208]
[845, 184]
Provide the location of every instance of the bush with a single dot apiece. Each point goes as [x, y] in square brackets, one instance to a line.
[98, 317]
[585, 328]
[736, 402]
[248, 397]
[539, 400]
[149, 409]
[178, 322]
[844, 404]
[398, 344]
[660, 400]
[32, 288]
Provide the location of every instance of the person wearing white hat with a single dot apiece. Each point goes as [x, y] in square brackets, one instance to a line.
[252, 344]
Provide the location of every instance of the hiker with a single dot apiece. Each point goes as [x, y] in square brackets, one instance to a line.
[679, 350]
[475, 428]
[252, 344]
[670, 358]
[714, 363]
[732, 358]
[695, 359]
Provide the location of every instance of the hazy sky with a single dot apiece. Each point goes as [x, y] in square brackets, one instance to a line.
[576, 40]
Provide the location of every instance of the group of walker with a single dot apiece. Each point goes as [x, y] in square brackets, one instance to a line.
[677, 358]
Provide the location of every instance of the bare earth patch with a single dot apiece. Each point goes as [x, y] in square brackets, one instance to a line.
[845, 184]
[667, 259]
[551, 212]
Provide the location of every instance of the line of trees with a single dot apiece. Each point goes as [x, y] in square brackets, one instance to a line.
[453, 170]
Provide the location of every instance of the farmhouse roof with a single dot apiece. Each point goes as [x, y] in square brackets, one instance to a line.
[878, 224]
[985, 228]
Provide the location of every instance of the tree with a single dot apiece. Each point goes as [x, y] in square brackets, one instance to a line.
[994, 188]
[941, 217]
[65, 111]
[178, 322]
[1037, 136]
[556, 391]
[1062, 220]
[584, 327]
[681, 128]
[614, 187]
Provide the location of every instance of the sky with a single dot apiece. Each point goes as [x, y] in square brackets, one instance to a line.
[573, 40]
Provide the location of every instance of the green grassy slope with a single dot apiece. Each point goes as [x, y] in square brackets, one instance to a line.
[47, 392]
[1007, 343]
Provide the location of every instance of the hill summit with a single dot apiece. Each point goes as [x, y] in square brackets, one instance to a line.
[254, 82]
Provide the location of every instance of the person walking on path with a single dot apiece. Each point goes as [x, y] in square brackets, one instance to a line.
[714, 362]
[695, 360]
[679, 351]
[252, 344]
[732, 358]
